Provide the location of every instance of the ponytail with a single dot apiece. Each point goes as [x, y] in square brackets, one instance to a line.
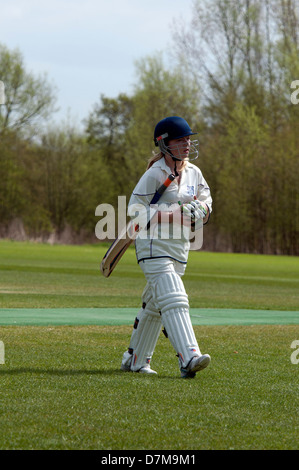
[154, 158]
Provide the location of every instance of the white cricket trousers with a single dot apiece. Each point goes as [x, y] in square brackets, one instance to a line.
[153, 268]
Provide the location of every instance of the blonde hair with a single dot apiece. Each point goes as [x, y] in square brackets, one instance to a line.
[154, 158]
[157, 156]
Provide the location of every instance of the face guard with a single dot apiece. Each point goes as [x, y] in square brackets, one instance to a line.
[178, 150]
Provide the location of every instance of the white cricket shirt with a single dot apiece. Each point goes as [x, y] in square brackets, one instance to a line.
[159, 241]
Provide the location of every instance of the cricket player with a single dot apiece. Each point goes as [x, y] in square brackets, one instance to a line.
[163, 260]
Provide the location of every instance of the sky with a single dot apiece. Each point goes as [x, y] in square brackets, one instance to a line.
[88, 48]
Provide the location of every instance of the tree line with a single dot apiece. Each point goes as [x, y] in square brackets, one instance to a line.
[229, 74]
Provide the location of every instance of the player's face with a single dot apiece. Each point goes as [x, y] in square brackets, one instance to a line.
[180, 148]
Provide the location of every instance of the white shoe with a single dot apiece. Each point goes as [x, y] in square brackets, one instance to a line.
[126, 365]
[147, 370]
[196, 364]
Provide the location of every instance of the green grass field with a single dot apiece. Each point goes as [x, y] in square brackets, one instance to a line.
[40, 275]
[61, 386]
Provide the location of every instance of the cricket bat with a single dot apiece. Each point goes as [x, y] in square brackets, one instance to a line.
[128, 235]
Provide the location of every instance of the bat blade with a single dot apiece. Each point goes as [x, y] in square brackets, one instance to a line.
[118, 248]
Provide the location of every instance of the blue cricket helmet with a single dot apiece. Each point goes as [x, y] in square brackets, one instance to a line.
[171, 128]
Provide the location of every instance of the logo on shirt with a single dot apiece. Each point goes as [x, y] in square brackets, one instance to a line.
[190, 190]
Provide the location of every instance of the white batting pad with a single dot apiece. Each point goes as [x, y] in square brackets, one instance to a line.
[172, 300]
[145, 337]
[134, 336]
[146, 301]
[170, 292]
[181, 334]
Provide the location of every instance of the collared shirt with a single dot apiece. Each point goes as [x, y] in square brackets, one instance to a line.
[153, 243]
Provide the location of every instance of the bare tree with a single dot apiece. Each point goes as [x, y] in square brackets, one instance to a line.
[28, 100]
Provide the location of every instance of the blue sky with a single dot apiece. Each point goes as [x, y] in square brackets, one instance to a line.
[88, 47]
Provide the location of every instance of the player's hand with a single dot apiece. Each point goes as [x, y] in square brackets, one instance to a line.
[196, 210]
[179, 217]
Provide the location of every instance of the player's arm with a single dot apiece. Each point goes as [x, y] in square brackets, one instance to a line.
[207, 212]
[204, 198]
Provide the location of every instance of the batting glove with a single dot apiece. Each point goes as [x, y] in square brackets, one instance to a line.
[195, 210]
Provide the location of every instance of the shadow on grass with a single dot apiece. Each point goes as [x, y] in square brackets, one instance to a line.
[77, 372]
[59, 372]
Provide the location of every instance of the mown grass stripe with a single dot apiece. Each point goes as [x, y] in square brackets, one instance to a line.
[125, 316]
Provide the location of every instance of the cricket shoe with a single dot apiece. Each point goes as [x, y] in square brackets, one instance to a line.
[146, 370]
[196, 364]
[127, 361]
